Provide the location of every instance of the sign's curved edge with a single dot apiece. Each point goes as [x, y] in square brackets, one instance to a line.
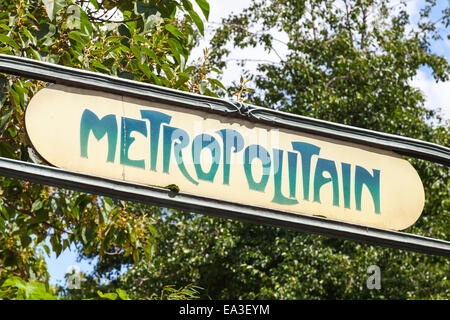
[89, 80]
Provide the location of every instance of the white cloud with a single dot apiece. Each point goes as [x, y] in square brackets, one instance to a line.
[437, 95]
[413, 7]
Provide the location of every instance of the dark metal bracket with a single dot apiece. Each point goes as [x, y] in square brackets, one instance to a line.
[166, 198]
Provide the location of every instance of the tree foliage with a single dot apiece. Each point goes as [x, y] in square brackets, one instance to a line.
[352, 62]
[149, 41]
[349, 62]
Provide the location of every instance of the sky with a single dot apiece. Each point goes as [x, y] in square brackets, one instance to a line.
[437, 94]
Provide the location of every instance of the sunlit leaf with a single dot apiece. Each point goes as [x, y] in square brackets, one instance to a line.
[204, 6]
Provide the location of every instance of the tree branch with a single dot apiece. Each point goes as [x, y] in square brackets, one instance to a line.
[31, 214]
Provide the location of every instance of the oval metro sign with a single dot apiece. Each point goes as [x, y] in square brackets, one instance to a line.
[222, 157]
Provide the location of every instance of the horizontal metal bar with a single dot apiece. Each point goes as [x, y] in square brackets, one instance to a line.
[259, 215]
[92, 80]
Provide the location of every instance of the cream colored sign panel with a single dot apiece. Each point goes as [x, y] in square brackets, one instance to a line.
[222, 157]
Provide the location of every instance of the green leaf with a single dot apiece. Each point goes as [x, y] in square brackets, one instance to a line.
[5, 27]
[56, 245]
[146, 70]
[204, 6]
[217, 83]
[56, 206]
[25, 240]
[46, 30]
[4, 120]
[148, 251]
[182, 63]
[4, 212]
[202, 87]
[2, 224]
[187, 5]
[124, 31]
[83, 235]
[109, 296]
[99, 66]
[37, 205]
[145, 10]
[126, 75]
[141, 38]
[42, 215]
[28, 290]
[12, 131]
[149, 52]
[108, 200]
[135, 256]
[9, 41]
[21, 92]
[13, 282]
[31, 37]
[47, 250]
[86, 25]
[216, 70]
[122, 294]
[152, 230]
[111, 49]
[79, 37]
[36, 54]
[174, 31]
[87, 233]
[53, 6]
[6, 150]
[156, 79]
[29, 15]
[182, 78]
[175, 48]
[198, 21]
[137, 53]
[66, 244]
[167, 71]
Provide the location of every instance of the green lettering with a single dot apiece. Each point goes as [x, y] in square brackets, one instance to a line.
[372, 182]
[107, 125]
[324, 165]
